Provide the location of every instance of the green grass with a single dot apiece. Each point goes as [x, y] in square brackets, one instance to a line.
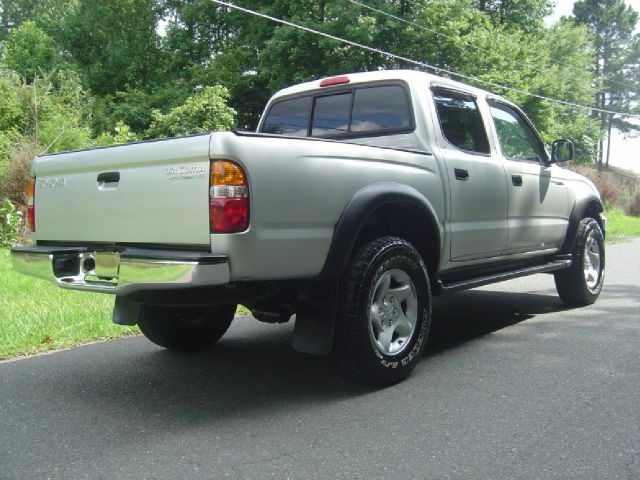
[621, 225]
[36, 316]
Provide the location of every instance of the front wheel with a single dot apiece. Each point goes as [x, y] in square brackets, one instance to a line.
[185, 328]
[384, 312]
[581, 284]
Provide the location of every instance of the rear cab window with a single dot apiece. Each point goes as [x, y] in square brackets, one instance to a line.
[363, 110]
[289, 118]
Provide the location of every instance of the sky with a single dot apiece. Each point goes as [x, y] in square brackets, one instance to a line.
[625, 152]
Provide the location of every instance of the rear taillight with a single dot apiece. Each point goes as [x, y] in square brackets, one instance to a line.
[31, 208]
[228, 198]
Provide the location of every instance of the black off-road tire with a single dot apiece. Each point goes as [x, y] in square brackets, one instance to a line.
[581, 284]
[368, 347]
[185, 328]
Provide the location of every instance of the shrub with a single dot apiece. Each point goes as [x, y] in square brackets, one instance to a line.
[633, 207]
[121, 134]
[10, 224]
[13, 183]
[207, 111]
[610, 194]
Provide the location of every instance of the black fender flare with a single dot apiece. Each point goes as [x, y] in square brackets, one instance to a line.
[316, 312]
[591, 202]
[355, 214]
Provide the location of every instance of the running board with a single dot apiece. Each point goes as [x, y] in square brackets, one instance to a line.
[500, 277]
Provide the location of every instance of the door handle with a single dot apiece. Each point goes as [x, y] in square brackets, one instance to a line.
[109, 177]
[461, 173]
[517, 180]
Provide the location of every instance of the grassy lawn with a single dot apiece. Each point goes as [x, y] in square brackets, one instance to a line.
[621, 225]
[36, 316]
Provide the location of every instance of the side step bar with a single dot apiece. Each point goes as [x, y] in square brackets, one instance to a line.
[499, 277]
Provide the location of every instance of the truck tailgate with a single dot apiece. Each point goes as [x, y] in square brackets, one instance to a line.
[151, 192]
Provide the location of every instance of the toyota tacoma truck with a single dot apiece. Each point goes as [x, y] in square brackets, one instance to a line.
[358, 198]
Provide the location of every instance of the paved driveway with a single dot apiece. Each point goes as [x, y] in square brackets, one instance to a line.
[513, 386]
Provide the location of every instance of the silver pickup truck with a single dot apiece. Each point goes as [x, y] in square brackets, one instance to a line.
[359, 197]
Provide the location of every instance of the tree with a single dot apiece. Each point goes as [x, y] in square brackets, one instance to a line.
[615, 61]
[115, 43]
[527, 15]
[47, 14]
[29, 51]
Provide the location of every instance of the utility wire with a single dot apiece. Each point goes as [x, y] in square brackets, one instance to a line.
[469, 44]
[415, 62]
[440, 34]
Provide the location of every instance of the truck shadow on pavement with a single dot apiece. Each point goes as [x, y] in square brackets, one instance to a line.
[462, 317]
[253, 370]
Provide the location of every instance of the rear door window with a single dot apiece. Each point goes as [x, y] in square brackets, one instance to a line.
[461, 121]
[380, 108]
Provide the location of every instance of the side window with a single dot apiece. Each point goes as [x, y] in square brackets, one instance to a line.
[289, 117]
[331, 115]
[461, 121]
[380, 108]
[517, 140]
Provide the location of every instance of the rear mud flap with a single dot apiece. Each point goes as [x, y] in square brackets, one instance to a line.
[316, 318]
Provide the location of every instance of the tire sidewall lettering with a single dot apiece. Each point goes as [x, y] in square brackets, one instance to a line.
[421, 334]
[413, 353]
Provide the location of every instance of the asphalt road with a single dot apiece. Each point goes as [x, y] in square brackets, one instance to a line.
[514, 385]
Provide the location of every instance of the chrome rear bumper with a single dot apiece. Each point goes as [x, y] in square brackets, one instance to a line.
[120, 271]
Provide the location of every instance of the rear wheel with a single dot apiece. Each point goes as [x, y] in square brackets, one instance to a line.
[384, 312]
[581, 284]
[185, 328]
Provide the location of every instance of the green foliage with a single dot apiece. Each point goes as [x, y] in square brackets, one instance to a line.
[115, 43]
[10, 223]
[50, 111]
[134, 108]
[29, 51]
[47, 14]
[141, 76]
[121, 134]
[47, 115]
[527, 15]
[206, 111]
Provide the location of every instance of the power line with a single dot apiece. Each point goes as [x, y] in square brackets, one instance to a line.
[414, 62]
[440, 34]
[552, 61]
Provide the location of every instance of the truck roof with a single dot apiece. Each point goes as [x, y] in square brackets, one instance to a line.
[410, 76]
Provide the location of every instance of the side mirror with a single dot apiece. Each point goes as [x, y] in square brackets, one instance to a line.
[562, 151]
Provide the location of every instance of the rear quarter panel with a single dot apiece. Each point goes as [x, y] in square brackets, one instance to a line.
[298, 190]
